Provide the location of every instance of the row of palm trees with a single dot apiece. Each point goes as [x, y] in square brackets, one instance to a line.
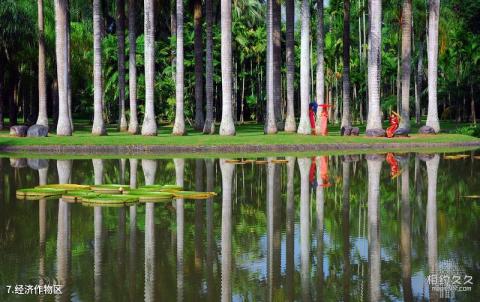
[273, 121]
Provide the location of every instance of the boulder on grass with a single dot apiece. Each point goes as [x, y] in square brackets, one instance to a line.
[18, 131]
[18, 162]
[402, 132]
[345, 131]
[355, 131]
[38, 164]
[426, 130]
[37, 131]
[375, 132]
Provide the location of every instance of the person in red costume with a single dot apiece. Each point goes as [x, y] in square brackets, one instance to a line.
[394, 170]
[394, 122]
[312, 110]
[324, 119]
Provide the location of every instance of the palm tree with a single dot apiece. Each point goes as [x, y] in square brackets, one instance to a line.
[346, 117]
[179, 125]
[64, 125]
[42, 118]
[98, 123]
[132, 69]
[406, 57]
[122, 120]
[374, 121]
[198, 49]
[271, 125]
[290, 125]
[304, 166]
[432, 54]
[226, 125]
[304, 126]
[179, 206]
[276, 62]
[149, 127]
[209, 126]
[406, 236]
[320, 76]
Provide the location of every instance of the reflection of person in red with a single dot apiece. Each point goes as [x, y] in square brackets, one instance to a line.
[324, 171]
[394, 122]
[312, 176]
[323, 119]
[394, 170]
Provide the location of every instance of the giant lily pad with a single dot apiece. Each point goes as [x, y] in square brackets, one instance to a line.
[78, 195]
[109, 189]
[110, 199]
[146, 196]
[65, 187]
[193, 194]
[161, 188]
[42, 192]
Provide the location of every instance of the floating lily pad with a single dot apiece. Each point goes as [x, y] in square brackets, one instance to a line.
[145, 196]
[38, 197]
[161, 188]
[472, 196]
[232, 161]
[461, 156]
[78, 195]
[108, 205]
[261, 162]
[109, 199]
[279, 161]
[109, 189]
[193, 194]
[42, 192]
[65, 187]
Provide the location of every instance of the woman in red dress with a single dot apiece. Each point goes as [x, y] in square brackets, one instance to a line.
[394, 122]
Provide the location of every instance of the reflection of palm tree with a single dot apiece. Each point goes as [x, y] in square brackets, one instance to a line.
[149, 167]
[273, 229]
[432, 171]
[98, 229]
[209, 163]
[304, 166]
[179, 171]
[64, 168]
[227, 177]
[42, 224]
[374, 169]
[132, 260]
[320, 202]
[405, 236]
[198, 214]
[346, 229]
[290, 228]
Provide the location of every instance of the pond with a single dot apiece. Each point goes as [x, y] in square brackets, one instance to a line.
[346, 227]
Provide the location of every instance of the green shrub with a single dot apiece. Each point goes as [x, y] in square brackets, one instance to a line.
[472, 130]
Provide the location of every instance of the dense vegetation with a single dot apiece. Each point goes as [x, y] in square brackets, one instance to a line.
[458, 60]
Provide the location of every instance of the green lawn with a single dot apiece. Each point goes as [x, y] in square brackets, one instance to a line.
[246, 134]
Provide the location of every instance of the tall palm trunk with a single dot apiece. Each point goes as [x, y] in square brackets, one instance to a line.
[226, 243]
[406, 236]
[42, 118]
[304, 125]
[132, 68]
[149, 126]
[406, 57]
[122, 120]
[419, 82]
[198, 49]
[226, 125]
[290, 125]
[304, 166]
[320, 75]
[64, 127]
[179, 125]
[209, 126]
[270, 122]
[374, 120]
[346, 116]
[432, 54]
[98, 123]
[431, 220]
[277, 61]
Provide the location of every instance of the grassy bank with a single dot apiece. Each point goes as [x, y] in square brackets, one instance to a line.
[248, 134]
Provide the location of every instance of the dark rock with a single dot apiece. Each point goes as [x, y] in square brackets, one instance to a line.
[375, 132]
[375, 157]
[345, 131]
[18, 131]
[355, 131]
[38, 164]
[402, 132]
[18, 162]
[426, 130]
[37, 131]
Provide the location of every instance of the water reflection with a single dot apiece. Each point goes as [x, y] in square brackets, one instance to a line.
[273, 233]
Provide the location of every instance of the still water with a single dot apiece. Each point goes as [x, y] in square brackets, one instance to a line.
[329, 228]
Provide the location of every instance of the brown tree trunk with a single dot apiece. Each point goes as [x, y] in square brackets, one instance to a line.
[346, 115]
